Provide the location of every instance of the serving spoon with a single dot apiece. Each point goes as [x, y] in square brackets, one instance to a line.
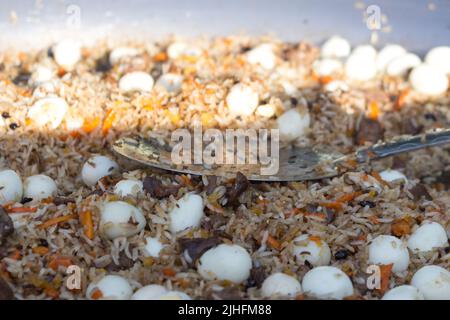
[295, 164]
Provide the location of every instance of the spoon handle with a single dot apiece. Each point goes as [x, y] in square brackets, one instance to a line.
[411, 143]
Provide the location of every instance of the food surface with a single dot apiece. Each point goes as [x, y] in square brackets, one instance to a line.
[71, 209]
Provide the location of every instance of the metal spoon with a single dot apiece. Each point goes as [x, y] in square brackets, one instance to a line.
[296, 164]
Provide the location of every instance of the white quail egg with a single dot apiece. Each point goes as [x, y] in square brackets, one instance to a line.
[386, 249]
[96, 168]
[11, 188]
[225, 262]
[335, 47]
[262, 55]
[360, 67]
[402, 64]
[39, 187]
[404, 292]
[110, 287]
[266, 110]
[42, 74]
[128, 187]
[327, 67]
[327, 283]
[387, 54]
[121, 219]
[293, 124]
[153, 247]
[49, 111]
[311, 249]
[149, 292]
[433, 282]
[187, 213]
[430, 235]
[120, 53]
[439, 58]
[171, 82]
[365, 50]
[242, 100]
[136, 81]
[280, 284]
[428, 80]
[67, 53]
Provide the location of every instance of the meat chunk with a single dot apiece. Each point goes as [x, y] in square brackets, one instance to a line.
[6, 225]
[156, 189]
[369, 130]
[197, 246]
[241, 184]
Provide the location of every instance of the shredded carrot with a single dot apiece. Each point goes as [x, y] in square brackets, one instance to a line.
[51, 292]
[401, 99]
[88, 225]
[325, 79]
[169, 272]
[21, 210]
[186, 180]
[320, 215]
[160, 57]
[56, 220]
[374, 111]
[96, 294]
[91, 125]
[40, 250]
[377, 176]
[108, 122]
[348, 197]
[57, 261]
[16, 255]
[332, 205]
[274, 243]
[316, 239]
[373, 219]
[385, 273]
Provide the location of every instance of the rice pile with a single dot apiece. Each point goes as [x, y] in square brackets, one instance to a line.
[346, 212]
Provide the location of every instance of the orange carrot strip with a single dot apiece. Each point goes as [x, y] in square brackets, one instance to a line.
[331, 205]
[348, 197]
[374, 111]
[21, 210]
[96, 294]
[88, 225]
[59, 261]
[160, 57]
[16, 255]
[40, 250]
[316, 239]
[51, 292]
[90, 126]
[385, 273]
[109, 119]
[274, 243]
[401, 99]
[57, 220]
[169, 272]
[373, 219]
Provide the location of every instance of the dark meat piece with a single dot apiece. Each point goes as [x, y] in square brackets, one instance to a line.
[125, 263]
[22, 78]
[419, 191]
[257, 277]
[212, 184]
[444, 178]
[410, 127]
[369, 131]
[368, 203]
[341, 254]
[6, 292]
[6, 225]
[102, 64]
[197, 246]
[156, 189]
[241, 184]
[62, 200]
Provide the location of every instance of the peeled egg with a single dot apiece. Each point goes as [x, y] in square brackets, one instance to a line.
[428, 80]
[111, 287]
[335, 47]
[404, 292]
[128, 187]
[11, 188]
[293, 124]
[387, 54]
[120, 53]
[187, 213]
[174, 295]
[365, 50]
[136, 81]
[389, 249]
[242, 100]
[42, 74]
[311, 249]
[280, 284]
[225, 262]
[360, 67]
[327, 67]
[433, 282]
[39, 187]
[402, 64]
[336, 85]
[439, 58]
[149, 292]
[153, 247]
[121, 219]
[266, 110]
[392, 175]
[262, 55]
[48, 111]
[327, 283]
[178, 49]
[67, 53]
[430, 235]
[171, 82]
[96, 168]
